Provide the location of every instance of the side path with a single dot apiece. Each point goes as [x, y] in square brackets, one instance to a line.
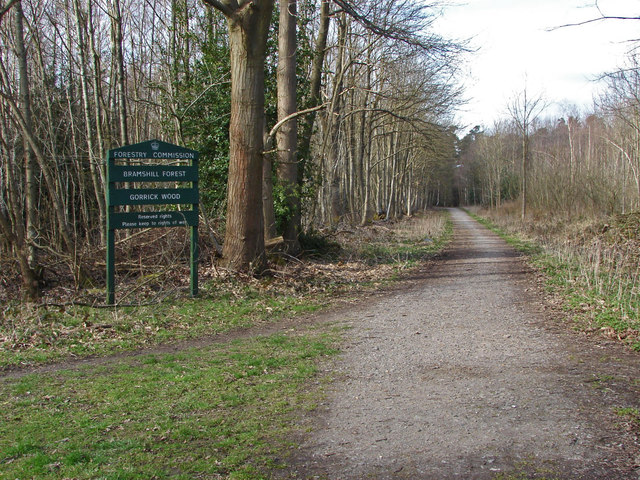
[463, 377]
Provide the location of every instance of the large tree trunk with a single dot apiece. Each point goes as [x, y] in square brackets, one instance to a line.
[248, 24]
[287, 136]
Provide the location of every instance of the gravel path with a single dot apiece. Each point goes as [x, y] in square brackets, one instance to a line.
[459, 376]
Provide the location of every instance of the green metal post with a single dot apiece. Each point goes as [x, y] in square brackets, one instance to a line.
[111, 297]
[194, 241]
[194, 261]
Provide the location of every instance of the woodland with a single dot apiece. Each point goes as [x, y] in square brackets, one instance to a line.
[306, 115]
[328, 145]
[309, 116]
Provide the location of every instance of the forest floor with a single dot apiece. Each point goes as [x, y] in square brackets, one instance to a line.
[71, 323]
[471, 374]
[464, 368]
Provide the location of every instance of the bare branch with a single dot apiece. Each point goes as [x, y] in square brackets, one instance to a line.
[592, 20]
[227, 8]
[268, 140]
[410, 31]
[5, 8]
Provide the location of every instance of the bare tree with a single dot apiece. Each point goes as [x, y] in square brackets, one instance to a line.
[93, 151]
[622, 104]
[524, 110]
[315, 83]
[117, 54]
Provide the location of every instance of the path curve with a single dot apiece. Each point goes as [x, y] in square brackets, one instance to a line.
[459, 377]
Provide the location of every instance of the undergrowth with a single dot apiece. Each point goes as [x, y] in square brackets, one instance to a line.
[418, 242]
[156, 309]
[593, 265]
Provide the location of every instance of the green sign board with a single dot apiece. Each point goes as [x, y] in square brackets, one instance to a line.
[129, 166]
[187, 218]
[153, 196]
[153, 173]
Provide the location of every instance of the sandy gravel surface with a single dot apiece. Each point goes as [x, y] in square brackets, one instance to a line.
[462, 375]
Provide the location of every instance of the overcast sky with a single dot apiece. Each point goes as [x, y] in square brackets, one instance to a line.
[513, 45]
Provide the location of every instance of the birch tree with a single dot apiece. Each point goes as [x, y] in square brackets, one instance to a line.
[524, 110]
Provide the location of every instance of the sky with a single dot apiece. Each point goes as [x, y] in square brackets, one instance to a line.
[516, 49]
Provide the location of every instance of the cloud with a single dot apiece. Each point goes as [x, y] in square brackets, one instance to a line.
[514, 43]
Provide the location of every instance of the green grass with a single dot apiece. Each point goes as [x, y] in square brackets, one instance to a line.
[523, 476]
[45, 334]
[521, 245]
[533, 468]
[590, 306]
[629, 413]
[219, 412]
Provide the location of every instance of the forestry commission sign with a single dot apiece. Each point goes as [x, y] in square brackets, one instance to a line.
[153, 219]
[154, 196]
[132, 165]
[151, 173]
[156, 155]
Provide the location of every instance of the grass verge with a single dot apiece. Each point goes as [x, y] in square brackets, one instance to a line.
[219, 412]
[42, 334]
[417, 243]
[612, 312]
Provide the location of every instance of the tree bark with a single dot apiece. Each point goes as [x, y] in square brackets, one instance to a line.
[314, 88]
[248, 23]
[333, 128]
[29, 277]
[12, 225]
[118, 59]
[287, 136]
[97, 92]
[525, 169]
[267, 195]
[31, 213]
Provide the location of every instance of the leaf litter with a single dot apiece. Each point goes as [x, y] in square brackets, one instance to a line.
[153, 289]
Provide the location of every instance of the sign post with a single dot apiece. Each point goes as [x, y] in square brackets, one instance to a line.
[184, 169]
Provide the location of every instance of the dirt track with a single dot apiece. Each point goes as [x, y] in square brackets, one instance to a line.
[464, 375]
